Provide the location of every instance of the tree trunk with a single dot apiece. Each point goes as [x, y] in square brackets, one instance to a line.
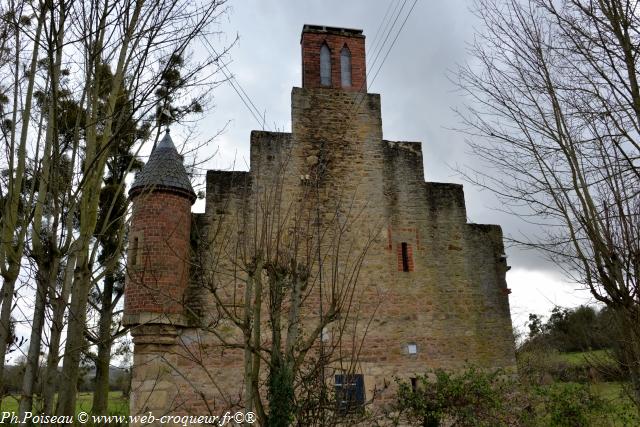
[35, 343]
[101, 393]
[248, 354]
[629, 342]
[89, 202]
[9, 255]
[59, 304]
[8, 286]
[46, 255]
[76, 342]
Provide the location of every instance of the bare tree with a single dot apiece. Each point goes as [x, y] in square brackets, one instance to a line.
[282, 270]
[15, 195]
[556, 119]
[137, 33]
[76, 78]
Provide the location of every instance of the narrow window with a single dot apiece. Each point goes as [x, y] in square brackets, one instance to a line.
[325, 336]
[325, 65]
[345, 66]
[405, 257]
[414, 384]
[133, 254]
[349, 393]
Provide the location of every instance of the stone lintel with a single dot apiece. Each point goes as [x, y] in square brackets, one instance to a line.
[148, 318]
[154, 335]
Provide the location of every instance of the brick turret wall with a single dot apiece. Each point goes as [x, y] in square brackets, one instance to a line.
[158, 254]
[313, 37]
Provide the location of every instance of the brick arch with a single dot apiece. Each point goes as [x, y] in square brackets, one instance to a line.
[331, 60]
[346, 76]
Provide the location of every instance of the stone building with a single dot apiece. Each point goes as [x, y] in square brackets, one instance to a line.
[356, 270]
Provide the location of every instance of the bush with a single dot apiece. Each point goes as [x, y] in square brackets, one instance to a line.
[568, 404]
[478, 398]
[539, 367]
[568, 330]
[468, 398]
[544, 366]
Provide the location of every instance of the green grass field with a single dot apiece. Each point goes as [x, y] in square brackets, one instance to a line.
[118, 405]
[586, 357]
[620, 406]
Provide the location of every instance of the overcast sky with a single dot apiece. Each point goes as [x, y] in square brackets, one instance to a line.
[418, 103]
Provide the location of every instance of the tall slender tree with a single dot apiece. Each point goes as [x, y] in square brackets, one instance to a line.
[110, 234]
[16, 198]
[94, 69]
[557, 121]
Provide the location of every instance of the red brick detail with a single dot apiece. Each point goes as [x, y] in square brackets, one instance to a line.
[409, 257]
[400, 229]
[157, 280]
[312, 42]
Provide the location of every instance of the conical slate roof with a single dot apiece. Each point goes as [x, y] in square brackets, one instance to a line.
[163, 172]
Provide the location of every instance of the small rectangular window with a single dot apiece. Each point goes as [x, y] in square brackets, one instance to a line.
[414, 384]
[133, 253]
[349, 393]
[405, 257]
[412, 348]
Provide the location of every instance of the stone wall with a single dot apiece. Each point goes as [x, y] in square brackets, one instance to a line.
[157, 277]
[336, 168]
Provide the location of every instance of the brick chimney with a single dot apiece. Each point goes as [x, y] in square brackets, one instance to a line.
[333, 58]
[159, 239]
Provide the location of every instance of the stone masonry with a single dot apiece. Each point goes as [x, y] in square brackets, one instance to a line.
[418, 287]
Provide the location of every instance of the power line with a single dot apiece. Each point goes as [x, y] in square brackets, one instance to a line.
[394, 41]
[230, 77]
[255, 112]
[357, 105]
[384, 42]
[382, 26]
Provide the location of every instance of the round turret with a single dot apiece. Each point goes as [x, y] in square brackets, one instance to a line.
[159, 239]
